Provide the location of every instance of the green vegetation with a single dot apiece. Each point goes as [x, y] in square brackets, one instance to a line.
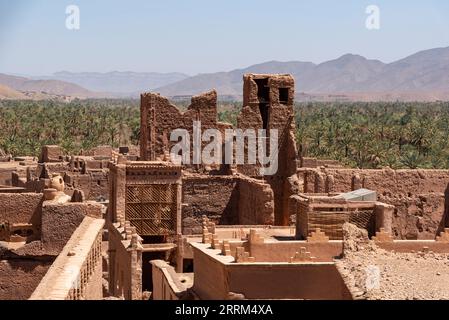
[365, 135]
[80, 125]
[375, 135]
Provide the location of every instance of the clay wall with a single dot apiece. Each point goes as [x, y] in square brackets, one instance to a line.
[22, 208]
[166, 282]
[213, 196]
[19, 277]
[210, 282]
[94, 184]
[125, 263]
[282, 251]
[225, 200]
[386, 182]
[256, 204]
[314, 281]
[59, 221]
[419, 217]
[418, 195]
[76, 274]
[216, 279]
[307, 162]
[159, 118]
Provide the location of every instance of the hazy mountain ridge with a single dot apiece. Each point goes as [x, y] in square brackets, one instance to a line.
[426, 71]
[423, 75]
[119, 82]
[50, 87]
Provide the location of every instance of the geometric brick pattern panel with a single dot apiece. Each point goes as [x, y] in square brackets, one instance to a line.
[151, 208]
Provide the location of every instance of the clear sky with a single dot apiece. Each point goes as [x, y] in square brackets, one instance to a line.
[197, 36]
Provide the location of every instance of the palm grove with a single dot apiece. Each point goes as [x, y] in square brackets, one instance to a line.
[364, 135]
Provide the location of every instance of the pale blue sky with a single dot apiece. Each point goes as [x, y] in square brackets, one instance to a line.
[197, 36]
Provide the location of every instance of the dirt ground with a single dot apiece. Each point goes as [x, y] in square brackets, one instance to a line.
[376, 274]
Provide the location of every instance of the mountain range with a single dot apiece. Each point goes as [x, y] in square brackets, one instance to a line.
[424, 72]
[421, 76]
[116, 82]
[15, 87]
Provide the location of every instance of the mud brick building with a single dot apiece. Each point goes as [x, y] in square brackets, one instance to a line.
[170, 231]
[145, 210]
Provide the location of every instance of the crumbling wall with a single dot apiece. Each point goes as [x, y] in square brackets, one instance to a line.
[419, 195]
[417, 217]
[94, 184]
[256, 203]
[386, 181]
[268, 104]
[214, 196]
[393, 270]
[159, 118]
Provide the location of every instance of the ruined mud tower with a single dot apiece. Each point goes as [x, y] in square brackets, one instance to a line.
[267, 104]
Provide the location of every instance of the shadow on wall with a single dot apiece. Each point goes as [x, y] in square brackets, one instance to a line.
[445, 220]
[231, 211]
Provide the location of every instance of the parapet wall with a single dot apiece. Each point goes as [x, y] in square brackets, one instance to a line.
[77, 272]
[218, 277]
[314, 281]
[166, 282]
[281, 251]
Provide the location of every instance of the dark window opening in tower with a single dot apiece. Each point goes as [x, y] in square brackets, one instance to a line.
[283, 95]
[263, 94]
